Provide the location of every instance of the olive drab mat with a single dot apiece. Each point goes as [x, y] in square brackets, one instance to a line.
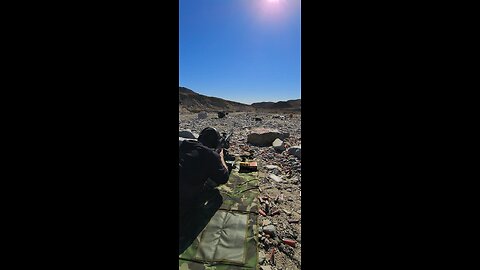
[224, 230]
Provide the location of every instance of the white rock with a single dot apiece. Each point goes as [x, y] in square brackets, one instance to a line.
[272, 167]
[275, 178]
[278, 145]
[261, 258]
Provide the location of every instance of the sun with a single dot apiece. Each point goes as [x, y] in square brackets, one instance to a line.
[272, 1]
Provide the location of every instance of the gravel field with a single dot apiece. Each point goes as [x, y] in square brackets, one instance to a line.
[280, 179]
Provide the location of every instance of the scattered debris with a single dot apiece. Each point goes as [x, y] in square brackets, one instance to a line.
[290, 242]
[279, 198]
[274, 212]
[272, 256]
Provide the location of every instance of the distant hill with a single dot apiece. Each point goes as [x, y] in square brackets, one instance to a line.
[289, 105]
[194, 102]
[190, 101]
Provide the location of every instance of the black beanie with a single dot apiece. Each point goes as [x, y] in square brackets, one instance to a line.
[209, 137]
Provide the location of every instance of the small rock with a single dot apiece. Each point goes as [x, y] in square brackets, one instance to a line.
[266, 267]
[278, 145]
[275, 178]
[261, 257]
[269, 229]
[272, 167]
[202, 115]
[296, 151]
[266, 222]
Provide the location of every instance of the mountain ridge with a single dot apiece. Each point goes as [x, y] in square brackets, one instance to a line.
[191, 101]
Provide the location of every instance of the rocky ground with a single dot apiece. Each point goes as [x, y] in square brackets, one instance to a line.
[280, 179]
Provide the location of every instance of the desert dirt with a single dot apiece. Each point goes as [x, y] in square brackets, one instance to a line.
[281, 201]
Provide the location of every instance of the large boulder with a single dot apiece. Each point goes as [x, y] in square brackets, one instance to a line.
[263, 136]
[202, 115]
[296, 151]
[187, 133]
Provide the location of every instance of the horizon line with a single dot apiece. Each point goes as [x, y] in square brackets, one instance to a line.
[243, 102]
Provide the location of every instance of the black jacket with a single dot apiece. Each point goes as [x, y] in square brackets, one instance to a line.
[197, 163]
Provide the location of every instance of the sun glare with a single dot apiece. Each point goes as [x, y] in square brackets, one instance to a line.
[273, 12]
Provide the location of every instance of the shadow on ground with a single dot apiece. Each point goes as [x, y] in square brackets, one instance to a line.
[195, 217]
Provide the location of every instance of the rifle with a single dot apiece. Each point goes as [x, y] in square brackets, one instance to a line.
[225, 140]
[225, 144]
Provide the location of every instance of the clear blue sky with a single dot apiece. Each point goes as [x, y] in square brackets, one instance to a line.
[241, 50]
